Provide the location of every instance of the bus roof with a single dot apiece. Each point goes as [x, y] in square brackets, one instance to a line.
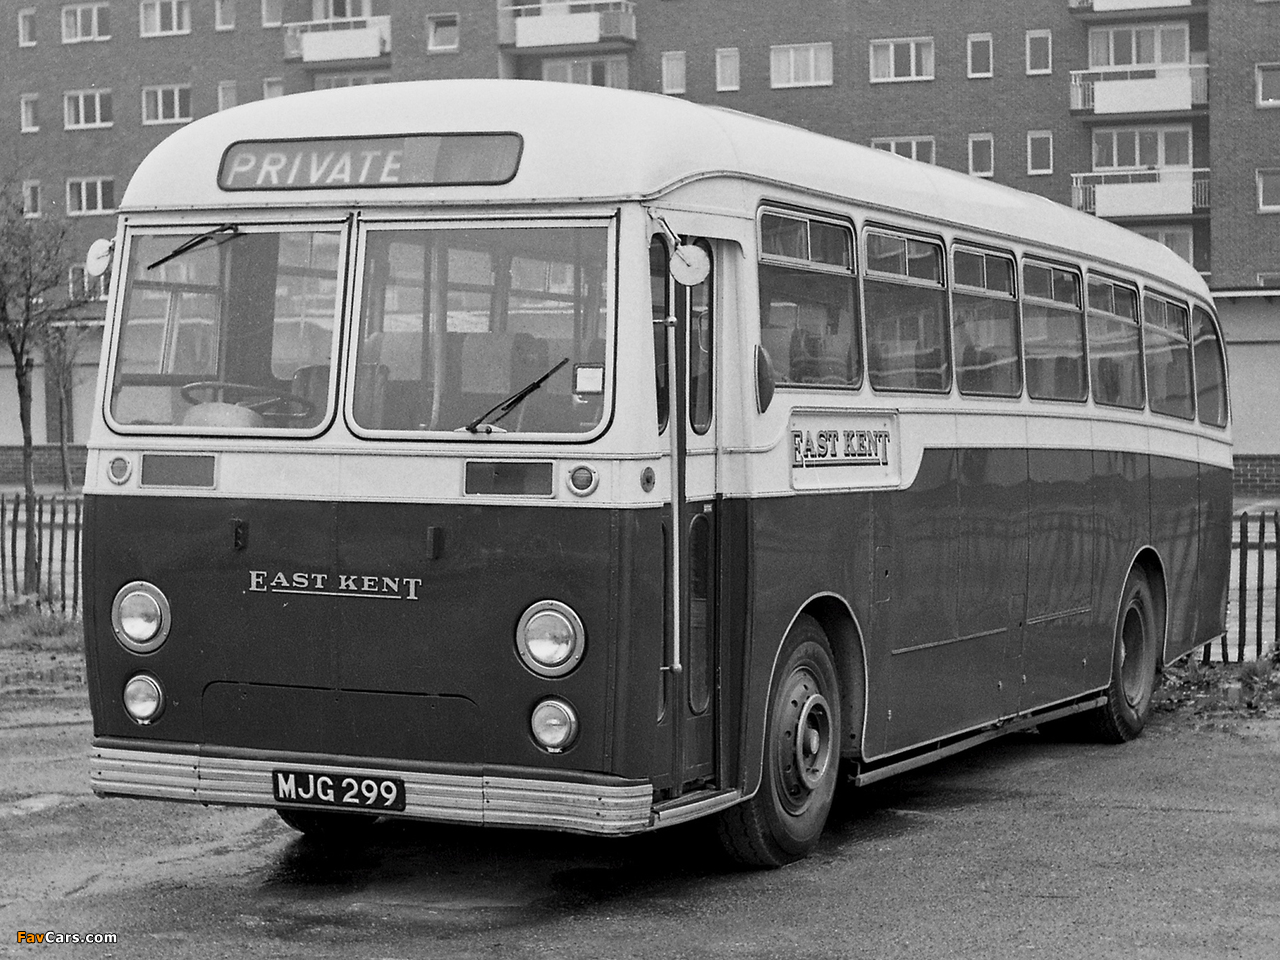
[583, 143]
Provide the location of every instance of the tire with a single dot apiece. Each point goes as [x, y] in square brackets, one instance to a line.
[329, 827]
[783, 821]
[1135, 650]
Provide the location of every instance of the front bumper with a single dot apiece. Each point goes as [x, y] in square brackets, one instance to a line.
[191, 774]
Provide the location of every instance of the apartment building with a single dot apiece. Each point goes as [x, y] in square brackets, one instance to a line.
[1163, 115]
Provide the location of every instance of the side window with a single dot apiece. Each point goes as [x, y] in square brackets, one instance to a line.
[808, 313]
[1115, 345]
[659, 292]
[701, 347]
[907, 337]
[1211, 370]
[1168, 353]
[985, 324]
[1053, 332]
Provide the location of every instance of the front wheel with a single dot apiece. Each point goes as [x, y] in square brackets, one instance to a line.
[783, 821]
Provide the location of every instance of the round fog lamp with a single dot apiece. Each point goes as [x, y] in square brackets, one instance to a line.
[140, 617]
[554, 725]
[143, 698]
[583, 480]
[119, 470]
[550, 638]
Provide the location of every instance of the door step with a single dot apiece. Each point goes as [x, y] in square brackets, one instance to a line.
[699, 803]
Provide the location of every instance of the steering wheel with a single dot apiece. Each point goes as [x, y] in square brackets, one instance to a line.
[263, 400]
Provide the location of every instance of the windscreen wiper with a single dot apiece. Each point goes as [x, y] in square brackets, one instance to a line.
[513, 401]
[191, 244]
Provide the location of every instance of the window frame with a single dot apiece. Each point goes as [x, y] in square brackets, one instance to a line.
[1094, 277]
[81, 183]
[1258, 70]
[1033, 171]
[991, 57]
[159, 90]
[889, 144]
[1014, 296]
[791, 50]
[723, 56]
[27, 33]
[81, 96]
[1162, 131]
[274, 5]
[990, 140]
[93, 36]
[225, 86]
[1041, 34]
[434, 22]
[30, 189]
[29, 108]
[809, 265]
[180, 11]
[868, 274]
[220, 9]
[893, 76]
[1157, 45]
[272, 83]
[1163, 331]
[1268, 173]
[675, 79]
[1078, 310]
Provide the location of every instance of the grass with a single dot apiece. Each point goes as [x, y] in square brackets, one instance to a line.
[35, 630]
[1217, 689]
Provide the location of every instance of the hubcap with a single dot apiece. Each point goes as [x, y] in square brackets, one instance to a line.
[805, 748]
[1132, 640]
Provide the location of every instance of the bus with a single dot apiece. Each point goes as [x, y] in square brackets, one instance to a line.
[532, 455]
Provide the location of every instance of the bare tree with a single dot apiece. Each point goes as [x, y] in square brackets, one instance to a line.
[63, 343]
[34, 264]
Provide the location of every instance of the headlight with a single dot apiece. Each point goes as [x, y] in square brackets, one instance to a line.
[550, 638]
[143, 698]
[140, 617]
[554, 725]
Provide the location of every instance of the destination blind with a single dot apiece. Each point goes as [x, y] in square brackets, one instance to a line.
[414, 160]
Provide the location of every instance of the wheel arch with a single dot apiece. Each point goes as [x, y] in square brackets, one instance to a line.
[844, 635]
[1147, 559]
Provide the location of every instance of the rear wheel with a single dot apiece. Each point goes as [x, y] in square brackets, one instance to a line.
[328, 826]
[784, 819]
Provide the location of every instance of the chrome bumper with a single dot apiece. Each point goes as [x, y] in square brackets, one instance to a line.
[480, 799]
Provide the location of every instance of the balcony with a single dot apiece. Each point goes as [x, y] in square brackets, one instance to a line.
[1154, 192]
[1126, 6]
[324, 41]
[599, 24]
[1164, 88]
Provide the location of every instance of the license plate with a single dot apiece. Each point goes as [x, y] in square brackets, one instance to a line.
[328, 789]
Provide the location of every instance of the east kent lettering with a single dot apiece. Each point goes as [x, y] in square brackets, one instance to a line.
[839, 448]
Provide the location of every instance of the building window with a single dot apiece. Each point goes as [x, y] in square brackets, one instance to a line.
[1267, 77]
[86, 21]
[26, 28]
[982, 160]
[31, 198]
[160, 18]
[29, 108]
[332, 81]
[727, 69]
[86, 109]
[673, 71]
[1138, 148]
[914, 148]
[226, 94]
[800, 65]
[224, 14]
[272, 12]
[910, 58]
[1269, 280]
[1039, 52]
[592, 71]
[171, 104]
[1268, 190]
[1132, 46]
[90, 195]
[1177, 239]
[339, 9]
[980, 63]
[272, 87]
[982, 155]
[442, 33]
[1039, 152]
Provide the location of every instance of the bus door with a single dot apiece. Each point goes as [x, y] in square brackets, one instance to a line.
[683, 290]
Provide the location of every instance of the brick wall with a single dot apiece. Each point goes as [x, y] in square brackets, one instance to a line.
[1257, 474]
[48, 465]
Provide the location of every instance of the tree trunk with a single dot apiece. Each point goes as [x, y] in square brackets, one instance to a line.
[62, 440]
[31, 562]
